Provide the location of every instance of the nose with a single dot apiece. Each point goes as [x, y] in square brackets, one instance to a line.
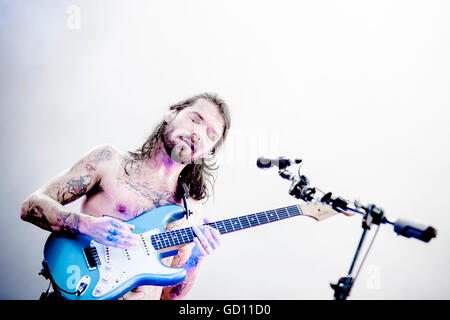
[195, 137]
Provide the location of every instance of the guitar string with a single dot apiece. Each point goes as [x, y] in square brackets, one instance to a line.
[280, 213]
[170, 238]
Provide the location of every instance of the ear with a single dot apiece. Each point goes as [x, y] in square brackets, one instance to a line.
[170, 115]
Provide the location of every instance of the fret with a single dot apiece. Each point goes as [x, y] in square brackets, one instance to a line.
[184, 235]
[165, 240]
[154, 242]
[271, 215]
[253, 220]
[157, 241]
[276, 214]
[236, 224]
[262, 217]
[171, 239]
[221, 227]
[282, 213]
[179, 236]
[293, 211]
[213, 224]
[191, 234]
[244, 222]
[174, 237]
[248, 222]
[166, 237]
[228, 225]
[162, 242]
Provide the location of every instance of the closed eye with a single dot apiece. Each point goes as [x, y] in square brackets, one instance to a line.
[195, 120]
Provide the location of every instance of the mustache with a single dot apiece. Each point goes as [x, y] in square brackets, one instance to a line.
[189, 141]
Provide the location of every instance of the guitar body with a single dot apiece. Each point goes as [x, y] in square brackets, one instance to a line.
[97, 272]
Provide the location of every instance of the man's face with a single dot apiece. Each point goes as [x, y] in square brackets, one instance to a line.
[193, 132]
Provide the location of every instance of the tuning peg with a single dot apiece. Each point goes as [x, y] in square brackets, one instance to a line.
[326, 198]
[304, 181]
[307, 193]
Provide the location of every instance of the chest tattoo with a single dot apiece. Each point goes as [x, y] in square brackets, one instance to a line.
[156, 196]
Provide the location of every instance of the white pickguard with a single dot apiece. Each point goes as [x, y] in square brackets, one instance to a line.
[119, 265]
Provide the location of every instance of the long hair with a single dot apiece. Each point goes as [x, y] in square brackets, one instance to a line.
[198, 175]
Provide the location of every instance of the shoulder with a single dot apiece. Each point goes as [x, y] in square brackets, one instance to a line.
[103, 157]
[106, 150]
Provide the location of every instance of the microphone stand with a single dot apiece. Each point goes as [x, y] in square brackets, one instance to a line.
[372, 215]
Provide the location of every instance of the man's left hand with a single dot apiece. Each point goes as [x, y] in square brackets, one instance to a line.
[207, 239]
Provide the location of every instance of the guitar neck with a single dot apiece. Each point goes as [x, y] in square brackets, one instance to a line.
[186, 235]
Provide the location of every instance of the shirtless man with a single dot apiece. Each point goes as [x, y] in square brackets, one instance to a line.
[124, 185]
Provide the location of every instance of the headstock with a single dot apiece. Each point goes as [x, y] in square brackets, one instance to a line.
[319, 211]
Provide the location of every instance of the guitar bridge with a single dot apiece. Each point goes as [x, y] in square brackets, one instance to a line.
[91, 255]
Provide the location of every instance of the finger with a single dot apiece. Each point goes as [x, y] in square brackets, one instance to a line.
[131, 236]
[122, 229]
[200, 247]
[112, 238]
[118, 242]
[130, 241]
[206, 220]
[116, 223]
[217, 236]
[208, 243]
[119, 246]
[130, 226]
[212, 242]
[124, 235]
[203, 238]
[199, 233]
[114, 231]
[215, 233]
[113, 241]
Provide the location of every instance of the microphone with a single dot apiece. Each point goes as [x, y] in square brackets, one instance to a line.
[280, 162]
[416, 230]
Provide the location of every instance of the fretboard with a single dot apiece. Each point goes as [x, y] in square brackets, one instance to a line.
[186, 235]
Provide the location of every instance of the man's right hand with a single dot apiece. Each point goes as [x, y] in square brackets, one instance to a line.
[110, 232]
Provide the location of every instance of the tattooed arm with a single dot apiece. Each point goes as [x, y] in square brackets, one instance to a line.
[45, 207]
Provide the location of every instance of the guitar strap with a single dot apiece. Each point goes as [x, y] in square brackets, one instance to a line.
[187, 212]
[54, 295]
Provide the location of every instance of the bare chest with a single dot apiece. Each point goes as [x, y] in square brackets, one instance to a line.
[127, 196]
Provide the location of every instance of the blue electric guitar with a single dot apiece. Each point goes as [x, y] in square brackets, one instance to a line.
[83, 269]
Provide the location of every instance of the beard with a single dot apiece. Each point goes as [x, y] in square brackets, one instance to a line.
[178, 151]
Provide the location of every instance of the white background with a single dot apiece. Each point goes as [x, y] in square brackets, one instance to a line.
[358, 89]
